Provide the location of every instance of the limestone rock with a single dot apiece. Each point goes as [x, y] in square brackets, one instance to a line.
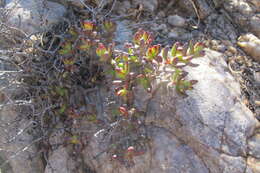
[251, 45]
[32, 16]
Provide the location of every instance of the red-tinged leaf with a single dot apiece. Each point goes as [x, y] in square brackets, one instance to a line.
[120, 73]
[122, 92]
[142, 35]
[174, 61]
[137, 37]
[88, 26]
[101, 49]
[123, 111]
[152, 52]
[130, 149]
[198, 48]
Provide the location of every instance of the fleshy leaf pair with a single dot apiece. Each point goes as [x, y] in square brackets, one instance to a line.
[104, 52]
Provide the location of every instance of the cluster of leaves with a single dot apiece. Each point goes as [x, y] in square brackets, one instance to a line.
[90, 47]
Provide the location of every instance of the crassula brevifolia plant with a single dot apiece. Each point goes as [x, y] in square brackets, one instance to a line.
[140, 64]
[90, 46]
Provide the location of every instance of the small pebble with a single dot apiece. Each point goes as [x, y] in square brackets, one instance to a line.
[176, 20]
[232, 49]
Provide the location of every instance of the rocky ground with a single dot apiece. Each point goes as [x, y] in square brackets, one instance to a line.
[215, 129]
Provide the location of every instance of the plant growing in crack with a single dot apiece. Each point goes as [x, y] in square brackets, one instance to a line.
[87, 59]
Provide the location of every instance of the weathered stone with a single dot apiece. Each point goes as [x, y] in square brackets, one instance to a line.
[18, 149]
[60, 162]
[253, 165]
[180, 34]
[220, 27]
[251, 45]
[123, 33]
[122, 7]
[204, 9]
[233, 164]
[256, 3]
[254, 146]
[176, 20]
[255, 25]
[34, 16]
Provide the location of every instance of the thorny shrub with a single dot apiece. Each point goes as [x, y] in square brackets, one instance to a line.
[88, 57]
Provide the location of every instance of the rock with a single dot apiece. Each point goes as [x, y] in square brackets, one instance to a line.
[204, 9]
[240, 12]
[33, 16]
[253, 165]
[150, 5]
[221, 28]
[176, 20]
[180, 34]
[255, 25]
[186, 5]
[60, 161]
[173, 34]
[123, 33]
[257, 77]
[201, 133]
[233, 164]
[161, 27]
[254, 146]
[255, 5]
[241, 6]
[122, 7]
[251, 45]
[16, 144]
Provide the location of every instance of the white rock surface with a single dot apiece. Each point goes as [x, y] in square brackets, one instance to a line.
[33, 15]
